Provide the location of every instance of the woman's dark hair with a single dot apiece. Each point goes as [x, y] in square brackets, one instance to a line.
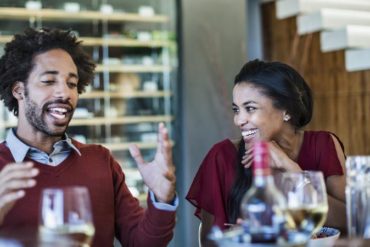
[288, 91]
[17, 62]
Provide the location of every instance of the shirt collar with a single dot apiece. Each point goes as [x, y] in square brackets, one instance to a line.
[19, 149]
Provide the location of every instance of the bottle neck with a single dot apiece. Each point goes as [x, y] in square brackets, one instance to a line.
[262, 178]
[261, 167]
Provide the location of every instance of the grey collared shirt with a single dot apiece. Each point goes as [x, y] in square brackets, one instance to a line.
[21, 150]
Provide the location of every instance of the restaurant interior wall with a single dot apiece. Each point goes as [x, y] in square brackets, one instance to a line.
[214, 49]
[341, 98]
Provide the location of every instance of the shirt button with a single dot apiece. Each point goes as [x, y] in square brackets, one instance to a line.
[50, 160]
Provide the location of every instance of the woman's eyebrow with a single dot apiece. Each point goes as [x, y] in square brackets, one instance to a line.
[249, 102]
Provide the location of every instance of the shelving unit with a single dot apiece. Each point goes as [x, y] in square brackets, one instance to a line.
[62, 15]
[132, 68]
[102, 120]
[125, 95]
[117, 109]
[111, 42]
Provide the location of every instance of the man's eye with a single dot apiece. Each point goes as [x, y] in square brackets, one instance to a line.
[72, 84]
[47, 81]
[235, 110]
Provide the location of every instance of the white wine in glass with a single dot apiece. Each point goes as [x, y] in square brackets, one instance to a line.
[65, 216]
[307, 203]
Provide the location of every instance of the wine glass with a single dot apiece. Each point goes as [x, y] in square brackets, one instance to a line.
[358, 196]
[66, 216]
[307, 203]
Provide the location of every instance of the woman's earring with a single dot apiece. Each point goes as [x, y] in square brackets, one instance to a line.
[286, 118]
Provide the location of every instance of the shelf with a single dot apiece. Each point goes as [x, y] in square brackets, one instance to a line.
[123, 42]
[61, 15]
[109, 120]
[111, 42]
[125, 95]
[124, 146]
[5, 38]
[121, 120]
[132, 68]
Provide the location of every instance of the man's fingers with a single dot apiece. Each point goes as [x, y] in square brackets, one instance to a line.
[11, 197]
[17, 173]
[20, 184]
[167, 151]
[136, 154]
[16, 184]
[17, 176]
[16, 167]
[164, 146]
[170, 176]
[162, 138]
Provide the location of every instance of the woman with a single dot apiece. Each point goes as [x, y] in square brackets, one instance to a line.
[271, 101]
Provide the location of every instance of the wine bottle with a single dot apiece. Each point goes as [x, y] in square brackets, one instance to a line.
[263, 205]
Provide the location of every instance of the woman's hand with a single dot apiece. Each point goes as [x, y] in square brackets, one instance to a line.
[159, 174]
[280, 160]
[247, 159]
[14, 178]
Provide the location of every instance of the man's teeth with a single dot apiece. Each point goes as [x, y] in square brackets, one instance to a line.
[248, 132]
[58, 113]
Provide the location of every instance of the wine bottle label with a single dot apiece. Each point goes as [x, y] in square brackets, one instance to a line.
[261, 159]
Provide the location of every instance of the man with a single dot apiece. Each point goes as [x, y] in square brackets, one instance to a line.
[41, 75]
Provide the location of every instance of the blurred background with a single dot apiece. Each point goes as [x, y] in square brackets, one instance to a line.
[174, 61]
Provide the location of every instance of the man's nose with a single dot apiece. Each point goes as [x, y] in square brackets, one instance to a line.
[62, 90]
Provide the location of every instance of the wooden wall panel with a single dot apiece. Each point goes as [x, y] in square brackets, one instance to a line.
[341, 98]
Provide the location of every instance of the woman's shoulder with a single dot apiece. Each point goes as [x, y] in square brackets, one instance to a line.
[222, 153]
[316, 133]
[320, 152]
[321, 142]
[320, 137]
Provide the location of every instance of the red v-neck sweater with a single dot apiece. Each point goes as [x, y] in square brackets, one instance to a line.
[115, 211]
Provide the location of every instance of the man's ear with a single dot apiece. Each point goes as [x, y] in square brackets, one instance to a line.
[18, 90]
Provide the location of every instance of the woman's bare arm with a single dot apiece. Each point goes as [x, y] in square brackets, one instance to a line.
[336, 194]
[205, 227]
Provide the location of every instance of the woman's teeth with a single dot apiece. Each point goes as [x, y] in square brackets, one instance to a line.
[247, 133]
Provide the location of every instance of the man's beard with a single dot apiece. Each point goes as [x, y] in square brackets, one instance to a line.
[34, 116]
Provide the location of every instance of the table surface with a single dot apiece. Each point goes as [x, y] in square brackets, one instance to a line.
[341, 242]
[29, 238]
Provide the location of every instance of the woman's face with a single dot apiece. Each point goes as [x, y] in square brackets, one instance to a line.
[255, 114]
